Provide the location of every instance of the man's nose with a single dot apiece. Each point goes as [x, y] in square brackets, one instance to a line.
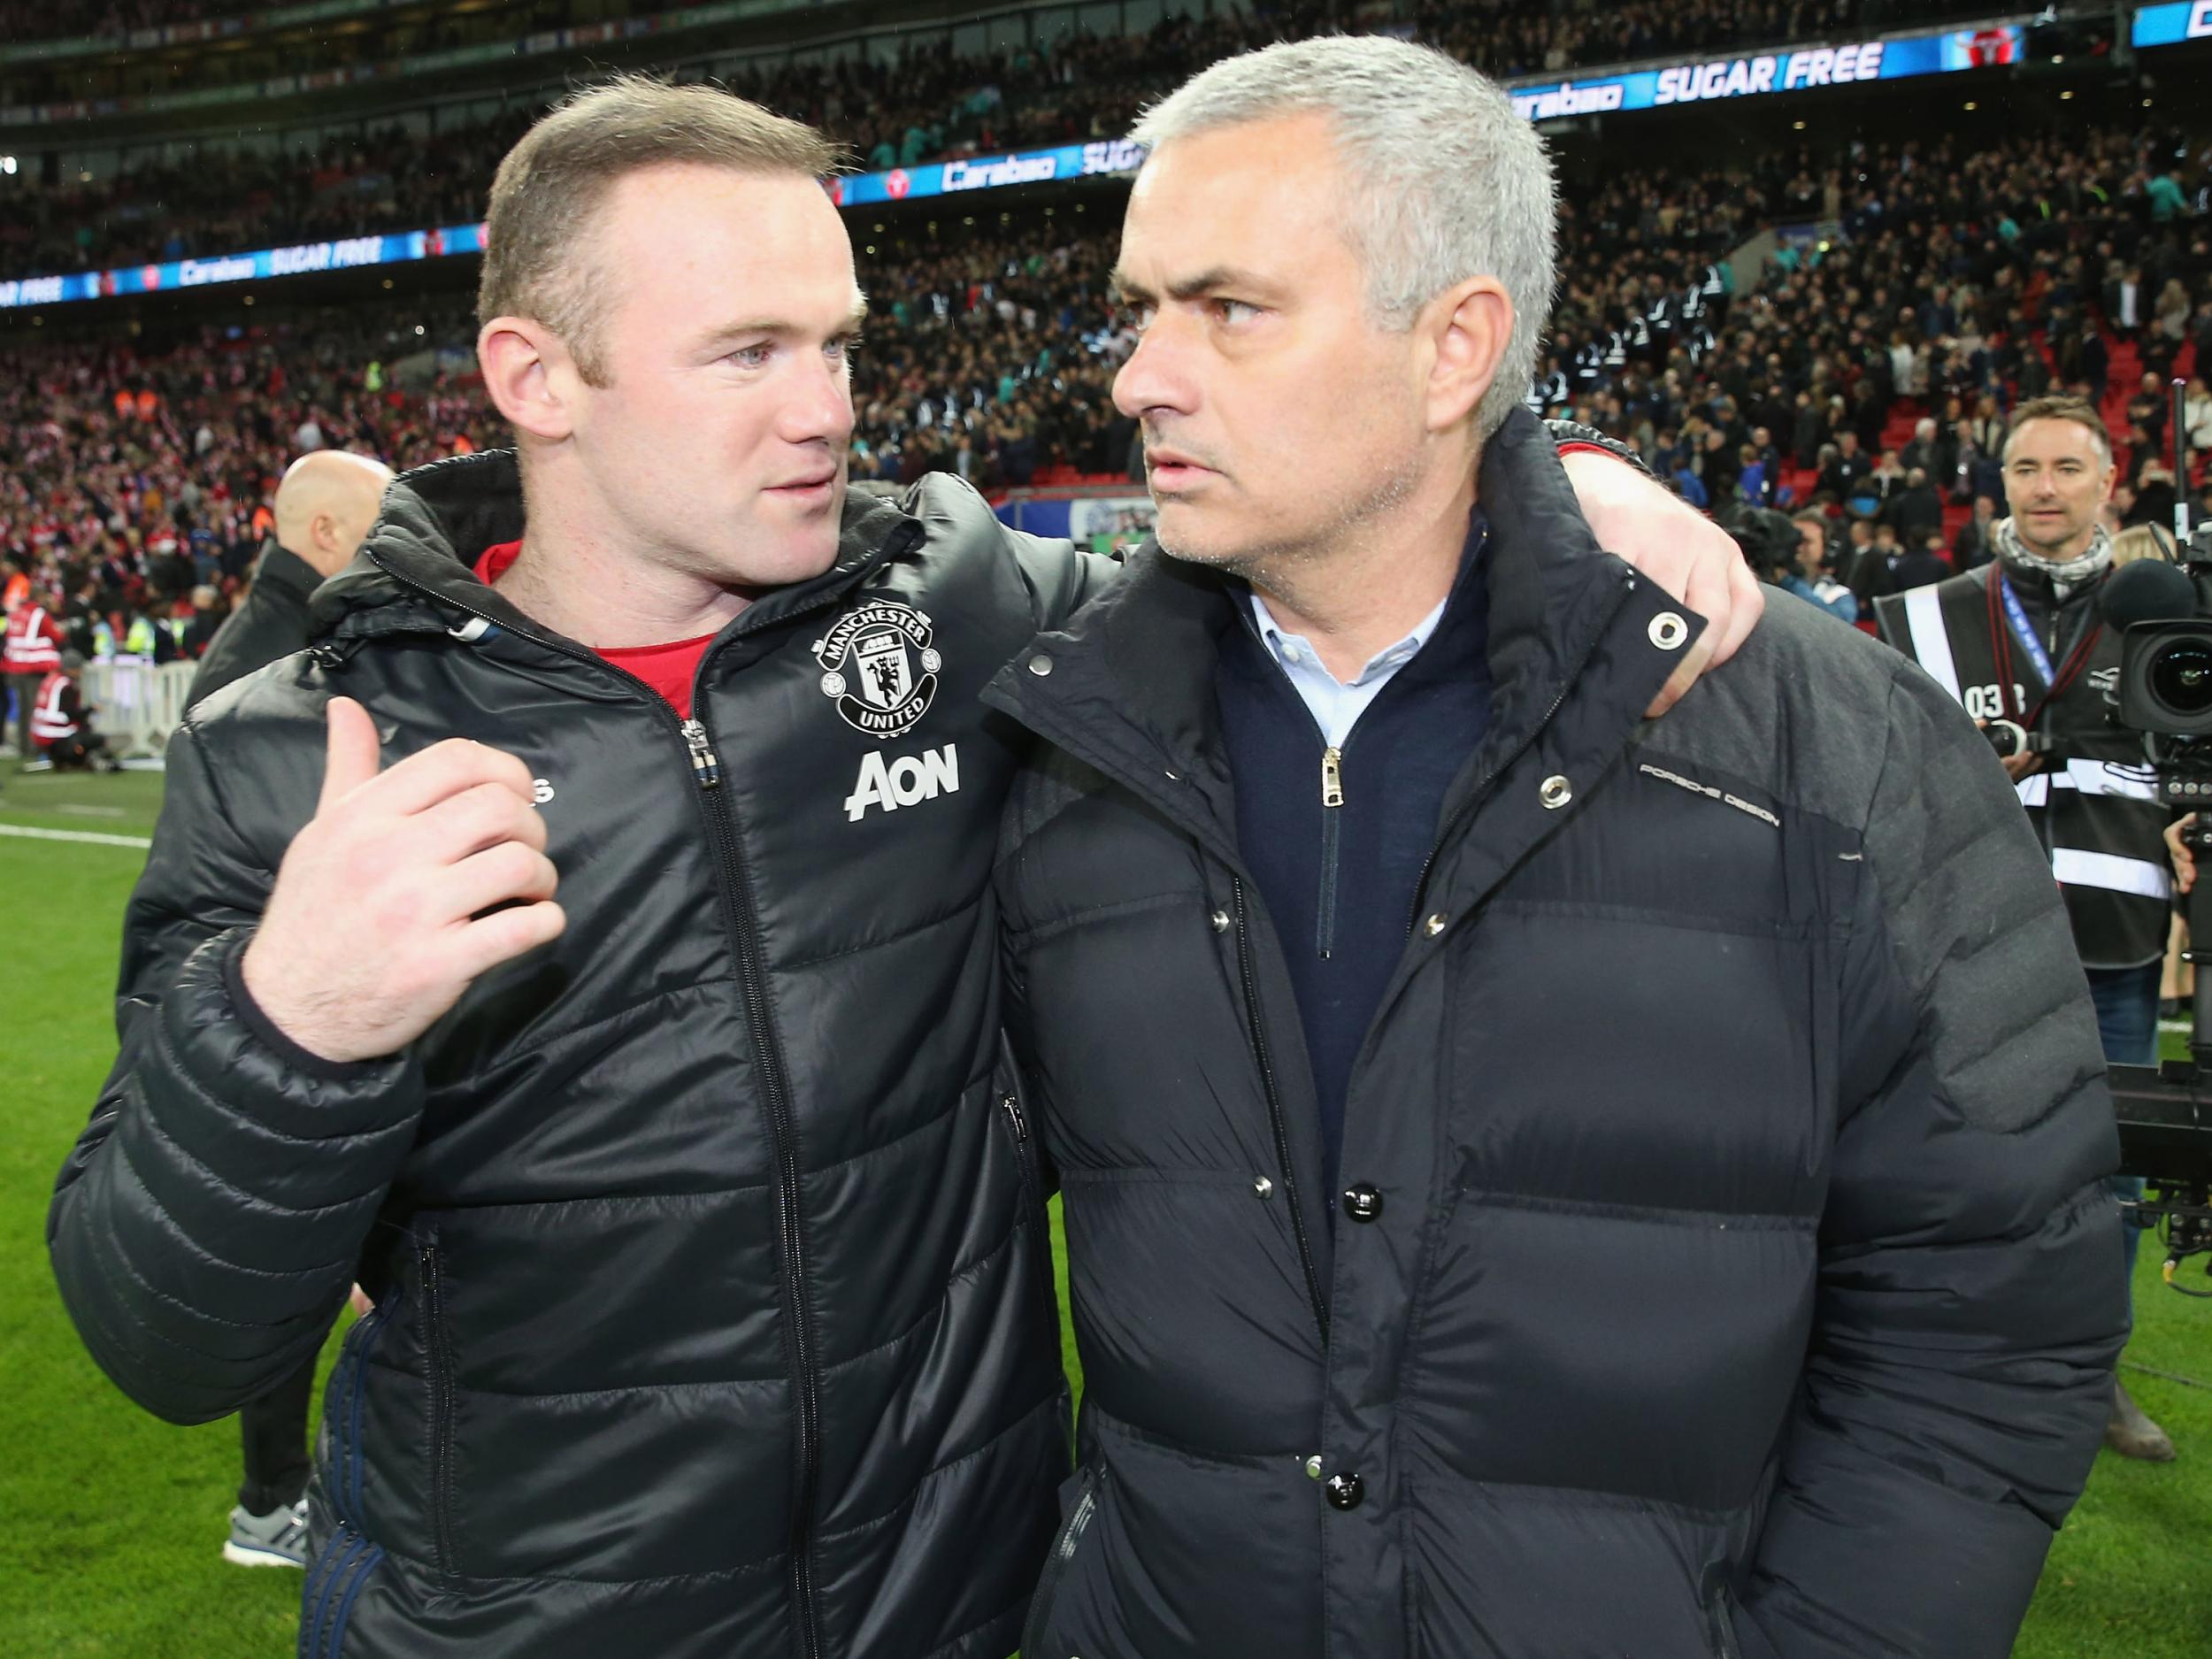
[820, 408]
[1156, 377]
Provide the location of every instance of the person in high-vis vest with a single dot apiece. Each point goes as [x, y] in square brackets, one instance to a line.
[32, 652]
[2020, 643]
[61, 722]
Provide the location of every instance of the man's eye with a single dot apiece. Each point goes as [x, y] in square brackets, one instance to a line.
[838, 350]
[1234, 312]
[752, 356]
[1136, 317]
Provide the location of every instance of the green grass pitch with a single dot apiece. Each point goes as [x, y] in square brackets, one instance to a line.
[110, 1521]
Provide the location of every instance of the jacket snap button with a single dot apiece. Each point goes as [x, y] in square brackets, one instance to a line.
[1313, 1467]
[1362, 1202]
[1345, 1492]
[1220, 920]
[1040, 665]
[1264, 1187]
[1554, 791]
[1667, 631]
[1436, 924]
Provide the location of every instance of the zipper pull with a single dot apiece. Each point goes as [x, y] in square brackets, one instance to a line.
[1332, 777]
[704, 766]
[1014, 1116]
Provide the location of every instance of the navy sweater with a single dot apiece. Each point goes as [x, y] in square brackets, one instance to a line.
[1338, 882]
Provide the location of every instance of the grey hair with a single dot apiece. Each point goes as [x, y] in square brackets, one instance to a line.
[1451, 181]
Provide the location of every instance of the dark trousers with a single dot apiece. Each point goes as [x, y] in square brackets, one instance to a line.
[81, 750]
[274, 1430]
[2127, 1020]
[26, 688]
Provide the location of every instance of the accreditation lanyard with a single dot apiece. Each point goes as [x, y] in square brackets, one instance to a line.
[2024, 631]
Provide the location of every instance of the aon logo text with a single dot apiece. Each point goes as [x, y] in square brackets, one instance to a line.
[909, 780]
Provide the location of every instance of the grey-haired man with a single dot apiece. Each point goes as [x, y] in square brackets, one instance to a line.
[1539, 1184]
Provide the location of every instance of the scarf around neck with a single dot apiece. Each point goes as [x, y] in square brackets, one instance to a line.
[2069, 574]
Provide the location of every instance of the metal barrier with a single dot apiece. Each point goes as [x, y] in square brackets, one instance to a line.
[136, 704]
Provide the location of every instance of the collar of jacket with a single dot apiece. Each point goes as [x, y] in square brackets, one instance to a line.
[416, 573]
[279, 567]
[1130, 686]
[2038, 592]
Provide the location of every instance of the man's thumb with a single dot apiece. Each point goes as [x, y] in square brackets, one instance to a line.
[353, 755]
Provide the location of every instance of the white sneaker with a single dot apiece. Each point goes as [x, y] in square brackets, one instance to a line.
[277, 1539]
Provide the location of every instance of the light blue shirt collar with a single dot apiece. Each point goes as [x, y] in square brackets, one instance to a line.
[1336, 705]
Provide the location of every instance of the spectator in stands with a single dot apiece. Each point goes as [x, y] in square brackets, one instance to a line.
[61, 723]
[2162, 340]
[2126, 306]
[1986, 426]
[1871, 495]
[2196, 415]
[1976, 474]
[1847, 470]
[2155, 493]
[1754, 485]
[1814, 582]
[1864, 566]
[1915, 511]
[1973, 547]
[208, 614]
[1929, 451]
[1921, 563]
[324, 509]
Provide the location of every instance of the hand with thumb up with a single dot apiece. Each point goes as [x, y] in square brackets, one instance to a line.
[384, 908]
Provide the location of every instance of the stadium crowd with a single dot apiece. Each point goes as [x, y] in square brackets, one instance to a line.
[1869, 378]
[1871, 375]
[928, 103]
[135, 487]
[1509, 34]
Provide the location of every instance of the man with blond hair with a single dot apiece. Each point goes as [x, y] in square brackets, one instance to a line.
[713, 1308]
[1539, 1184]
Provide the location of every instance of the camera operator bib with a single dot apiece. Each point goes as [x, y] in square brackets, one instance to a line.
[2007, 649]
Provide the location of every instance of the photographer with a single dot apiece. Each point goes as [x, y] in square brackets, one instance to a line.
[1792, 554]
[2020, 643]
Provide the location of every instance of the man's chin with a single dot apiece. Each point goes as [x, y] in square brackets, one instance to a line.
[1197, 548]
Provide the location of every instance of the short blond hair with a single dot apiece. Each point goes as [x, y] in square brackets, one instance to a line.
[548, 193]
[2141, 542]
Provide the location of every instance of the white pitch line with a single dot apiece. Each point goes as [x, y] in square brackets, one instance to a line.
[92, 836]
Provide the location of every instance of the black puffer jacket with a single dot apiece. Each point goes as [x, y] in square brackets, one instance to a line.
[714, 1312]
[272, 621]
[1730, 1271]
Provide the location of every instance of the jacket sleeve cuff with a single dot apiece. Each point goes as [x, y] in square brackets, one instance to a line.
[1570, 435]
[219, 1035]
[267, 1032]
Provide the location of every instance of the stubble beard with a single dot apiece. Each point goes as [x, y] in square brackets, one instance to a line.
[1283, 564]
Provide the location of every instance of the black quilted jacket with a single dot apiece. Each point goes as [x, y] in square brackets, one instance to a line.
[714, 1311]
[1724, 1268]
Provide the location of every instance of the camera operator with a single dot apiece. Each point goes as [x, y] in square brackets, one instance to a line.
[2020, 643]
[1791, 554]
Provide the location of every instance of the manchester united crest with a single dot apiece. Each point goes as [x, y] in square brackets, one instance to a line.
[879, 667]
